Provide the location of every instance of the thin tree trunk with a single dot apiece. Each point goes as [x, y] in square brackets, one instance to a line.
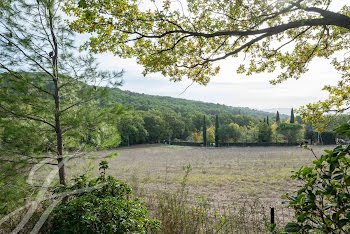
[58, 127]
[59, 138]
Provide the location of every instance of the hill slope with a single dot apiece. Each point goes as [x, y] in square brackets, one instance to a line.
[146, 102]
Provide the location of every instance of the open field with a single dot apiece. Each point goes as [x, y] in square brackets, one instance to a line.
[223, 175]
[239, 183]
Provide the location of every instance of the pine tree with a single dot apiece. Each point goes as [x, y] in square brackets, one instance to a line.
[217, 131]
[278, 120]
[292, 116]
[204, 132]
[47, 81]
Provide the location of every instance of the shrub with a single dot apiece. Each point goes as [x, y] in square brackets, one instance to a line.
[109, 208]
[328, 138]
[323, 201]
[264, 132]
[290, 131]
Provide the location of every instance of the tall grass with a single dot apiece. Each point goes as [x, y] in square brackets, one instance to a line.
[180, 213]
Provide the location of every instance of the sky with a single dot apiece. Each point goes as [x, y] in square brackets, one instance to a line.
[230, 88]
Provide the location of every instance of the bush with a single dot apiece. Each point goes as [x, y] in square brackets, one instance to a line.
[328, 138]
[323, 202]
[109, 208]
[264, 132]
[290, 131]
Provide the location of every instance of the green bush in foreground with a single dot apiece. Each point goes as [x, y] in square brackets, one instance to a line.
[110, 208]
[323, 201]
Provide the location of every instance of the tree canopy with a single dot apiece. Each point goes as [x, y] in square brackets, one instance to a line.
[188, 38]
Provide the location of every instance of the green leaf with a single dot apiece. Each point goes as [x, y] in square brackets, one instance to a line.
[347, 180]
[338, 177]
[112, 155]
[343, 222]
[82, 4]
[292, 227]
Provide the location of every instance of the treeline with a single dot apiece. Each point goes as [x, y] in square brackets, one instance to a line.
[155, 126]
[137, 127]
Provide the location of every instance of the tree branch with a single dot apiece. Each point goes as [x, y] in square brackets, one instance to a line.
[26, 55]
[27, 116]
[75, 104]
[32, 163]
[19, 76]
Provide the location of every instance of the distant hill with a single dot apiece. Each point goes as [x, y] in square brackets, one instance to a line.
[146, 102]
[284, 111]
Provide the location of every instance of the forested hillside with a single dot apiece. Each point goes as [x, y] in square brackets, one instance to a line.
[146, 102]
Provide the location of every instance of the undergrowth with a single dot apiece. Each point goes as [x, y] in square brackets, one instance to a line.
[181, 213]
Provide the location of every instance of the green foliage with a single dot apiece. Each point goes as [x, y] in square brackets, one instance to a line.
[290, 131]
[144, 102]
[323, 201]
[299, 120]
[155, 126]
[292, 120]
[328, 138]
[189, 46]
[264, 132]
[164, 39]
[230, 132]
[96, 128]
[14, 188]
[47, 87]
[309, 133]
[278, 120]
[131, 128]
[175, 126]
[337, 120]
[109, 208]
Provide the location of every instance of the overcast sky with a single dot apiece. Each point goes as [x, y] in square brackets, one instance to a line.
[230, 88]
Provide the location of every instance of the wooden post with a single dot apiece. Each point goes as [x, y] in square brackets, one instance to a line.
[272, 219]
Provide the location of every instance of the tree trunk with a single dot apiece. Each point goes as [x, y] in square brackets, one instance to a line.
[59, 138]
[58, 127]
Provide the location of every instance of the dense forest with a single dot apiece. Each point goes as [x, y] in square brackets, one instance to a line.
[146, 102]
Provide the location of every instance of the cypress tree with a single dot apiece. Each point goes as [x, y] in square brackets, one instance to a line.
[278, 120]
[217, 131]
[204, 132]
[292, 116]
[267, 120]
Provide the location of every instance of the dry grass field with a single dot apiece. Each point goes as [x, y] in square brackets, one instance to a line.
[225, 176]
[230, 189]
